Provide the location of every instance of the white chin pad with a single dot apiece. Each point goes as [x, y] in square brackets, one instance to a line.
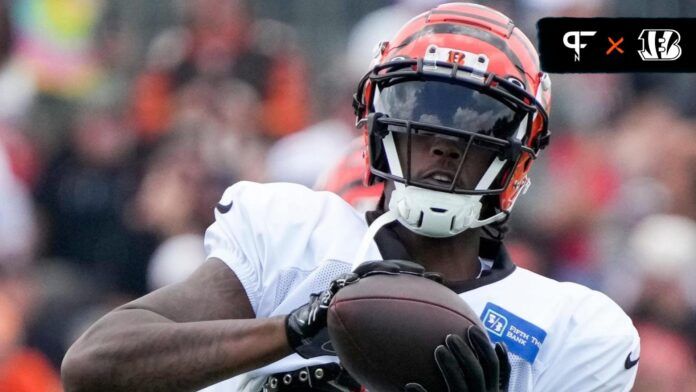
[435, 214]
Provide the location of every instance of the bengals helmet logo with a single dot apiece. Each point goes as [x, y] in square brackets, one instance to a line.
[455, 56]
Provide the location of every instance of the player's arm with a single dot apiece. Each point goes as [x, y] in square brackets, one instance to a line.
[181, 337]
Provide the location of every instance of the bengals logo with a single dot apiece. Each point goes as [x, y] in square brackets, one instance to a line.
[659, 45]
[455, 56]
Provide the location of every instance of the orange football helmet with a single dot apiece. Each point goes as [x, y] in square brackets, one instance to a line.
[460, 71]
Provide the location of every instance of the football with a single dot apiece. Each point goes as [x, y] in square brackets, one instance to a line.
[385, 328]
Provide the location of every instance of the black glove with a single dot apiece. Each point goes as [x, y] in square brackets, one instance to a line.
[305, 326]
[471, 365]
[393, 267]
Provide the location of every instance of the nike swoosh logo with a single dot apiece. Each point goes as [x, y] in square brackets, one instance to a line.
[630, 362]
[224, 208]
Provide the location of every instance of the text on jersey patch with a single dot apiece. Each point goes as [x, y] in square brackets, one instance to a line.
[520, 336]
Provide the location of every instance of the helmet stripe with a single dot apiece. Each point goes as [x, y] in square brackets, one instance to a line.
[473, 16]
[449, 28]
[531, 51]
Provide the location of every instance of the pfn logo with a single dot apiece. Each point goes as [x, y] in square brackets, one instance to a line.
[659, 45]
[575, 44]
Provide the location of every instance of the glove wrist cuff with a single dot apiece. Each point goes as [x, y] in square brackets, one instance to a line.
[294, 338]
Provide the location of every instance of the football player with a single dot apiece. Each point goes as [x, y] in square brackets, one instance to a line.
[454, 112]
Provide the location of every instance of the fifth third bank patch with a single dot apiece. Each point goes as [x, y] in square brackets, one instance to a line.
[579, 45]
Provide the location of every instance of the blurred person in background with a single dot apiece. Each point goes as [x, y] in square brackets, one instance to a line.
[22, 369]
[667, 361]
[662, 255]
[220, 39]
[222, 120]
[171, 202]
[655, 150]
[83, 195]
[17, 91]
[17, 225]
[302, 156]
[91, 255]
[577, 184]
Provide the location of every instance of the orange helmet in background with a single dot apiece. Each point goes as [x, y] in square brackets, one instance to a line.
[459, 71]
[345, 179]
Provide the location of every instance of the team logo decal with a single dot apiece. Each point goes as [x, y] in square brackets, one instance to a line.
[476, 61]
[456, 56]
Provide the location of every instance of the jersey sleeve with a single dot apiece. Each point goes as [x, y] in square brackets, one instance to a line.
[226, 240]
[598, 351]
[262, 230]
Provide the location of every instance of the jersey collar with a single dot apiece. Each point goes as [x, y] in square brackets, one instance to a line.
[391, 248]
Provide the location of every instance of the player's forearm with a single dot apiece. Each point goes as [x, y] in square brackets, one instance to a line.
[132, 350]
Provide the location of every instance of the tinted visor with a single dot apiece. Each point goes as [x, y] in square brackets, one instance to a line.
[447, 135]
[449, 105]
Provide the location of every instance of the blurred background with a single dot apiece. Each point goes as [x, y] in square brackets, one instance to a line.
[121, 123]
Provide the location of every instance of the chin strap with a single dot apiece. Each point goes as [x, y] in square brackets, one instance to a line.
[384, 219]
[437, 214]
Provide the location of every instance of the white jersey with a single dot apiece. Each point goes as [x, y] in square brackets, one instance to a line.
[285, 241]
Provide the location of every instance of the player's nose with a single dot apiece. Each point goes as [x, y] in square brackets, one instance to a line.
[447, 149]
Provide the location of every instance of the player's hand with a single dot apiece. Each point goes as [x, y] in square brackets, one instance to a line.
[470, 364]
[392, 267]
[306, 326]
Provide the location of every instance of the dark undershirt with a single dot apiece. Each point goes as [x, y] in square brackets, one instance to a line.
[391, 247]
